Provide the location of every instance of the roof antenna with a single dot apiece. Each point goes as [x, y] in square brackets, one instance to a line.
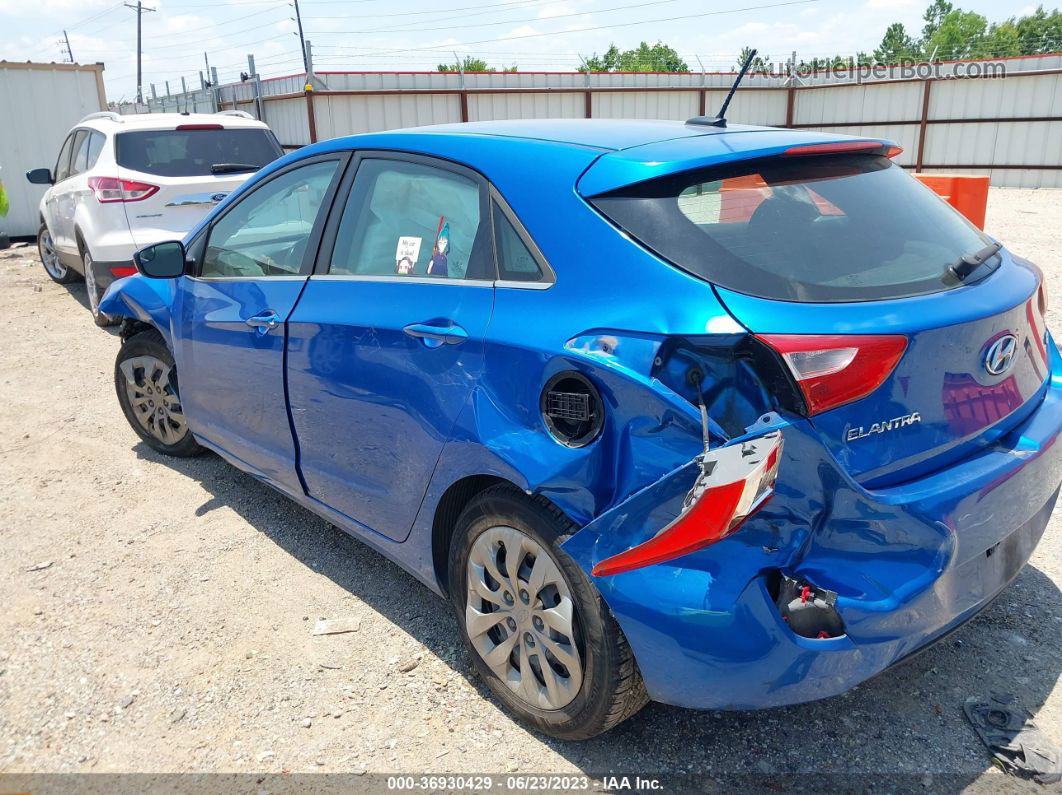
[719, 120]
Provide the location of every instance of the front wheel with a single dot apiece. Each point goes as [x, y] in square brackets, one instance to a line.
[145, 379]
[53, 266]
[536, 629]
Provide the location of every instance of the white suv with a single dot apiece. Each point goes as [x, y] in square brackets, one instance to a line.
[124, 182]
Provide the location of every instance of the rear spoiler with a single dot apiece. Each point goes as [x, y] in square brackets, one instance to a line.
[625, 167]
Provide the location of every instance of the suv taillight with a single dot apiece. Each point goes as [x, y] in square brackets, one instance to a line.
[833, 369]
[112, 189]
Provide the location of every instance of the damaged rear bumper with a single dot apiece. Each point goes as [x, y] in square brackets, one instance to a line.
[907, 565]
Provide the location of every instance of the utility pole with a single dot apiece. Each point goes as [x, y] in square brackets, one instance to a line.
[139, 8]
[69, 52]
[302, 38]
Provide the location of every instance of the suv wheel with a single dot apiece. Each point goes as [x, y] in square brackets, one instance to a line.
[95, 294]
[145, 378]
[536, 628]
[53, 266]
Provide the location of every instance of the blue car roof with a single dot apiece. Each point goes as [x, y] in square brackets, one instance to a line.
[619, 152]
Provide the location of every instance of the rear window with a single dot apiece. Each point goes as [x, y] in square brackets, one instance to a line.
[814, 228]
[194, 153]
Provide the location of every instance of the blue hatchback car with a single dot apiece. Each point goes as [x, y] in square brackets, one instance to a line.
[723, 417]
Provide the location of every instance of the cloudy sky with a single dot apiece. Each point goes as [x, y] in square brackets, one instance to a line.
[548, 35]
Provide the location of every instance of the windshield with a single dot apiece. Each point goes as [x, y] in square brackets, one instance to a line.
[814, 228]
[194, 153]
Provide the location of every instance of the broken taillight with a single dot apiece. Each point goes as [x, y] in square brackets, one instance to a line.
[734, 482]
[833, 369]
[112, 189]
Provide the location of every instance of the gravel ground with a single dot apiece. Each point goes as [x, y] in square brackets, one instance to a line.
[157, 614]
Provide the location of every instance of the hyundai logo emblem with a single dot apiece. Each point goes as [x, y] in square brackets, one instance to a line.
[218, 197]
[1000, 355]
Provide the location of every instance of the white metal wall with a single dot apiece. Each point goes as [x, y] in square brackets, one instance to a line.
[43, 102]
[889, 109]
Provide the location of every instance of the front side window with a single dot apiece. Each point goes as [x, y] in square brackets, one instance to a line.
[413, 220]
[266, 233]
[81, 152]
[812, 229]
[62, 165]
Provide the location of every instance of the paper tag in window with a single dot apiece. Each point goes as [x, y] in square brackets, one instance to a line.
[406, 255]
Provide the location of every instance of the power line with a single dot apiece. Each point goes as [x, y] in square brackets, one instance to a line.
[450, 46]
[504, 22]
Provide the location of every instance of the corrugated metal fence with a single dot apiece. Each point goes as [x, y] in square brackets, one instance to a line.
[950, 121]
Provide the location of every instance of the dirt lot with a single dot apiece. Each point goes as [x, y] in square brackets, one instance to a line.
[157, 613]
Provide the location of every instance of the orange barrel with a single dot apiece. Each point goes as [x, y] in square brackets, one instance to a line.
[967, 193]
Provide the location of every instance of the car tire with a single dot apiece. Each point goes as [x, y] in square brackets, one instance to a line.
[588, 693]
[53, 266]
[95, 294]
[145, 378]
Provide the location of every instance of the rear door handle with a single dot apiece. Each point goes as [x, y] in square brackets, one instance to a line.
[264, 321]
[433, 336]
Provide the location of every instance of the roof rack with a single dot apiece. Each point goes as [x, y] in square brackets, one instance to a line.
[104, 114]
[239, 113]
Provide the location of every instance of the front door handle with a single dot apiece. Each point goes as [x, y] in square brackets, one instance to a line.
[264, 321]
[433, 336]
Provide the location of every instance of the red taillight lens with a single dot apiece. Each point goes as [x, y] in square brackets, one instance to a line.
[734, 482]
[112, 189]
[200, 127]
[832, 370]
[122, 271]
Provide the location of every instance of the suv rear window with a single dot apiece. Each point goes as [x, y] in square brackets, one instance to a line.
[814, 228]
[193, 153]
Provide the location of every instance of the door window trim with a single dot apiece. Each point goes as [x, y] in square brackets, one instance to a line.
[491, 195]
[328, 241]
[342, 158]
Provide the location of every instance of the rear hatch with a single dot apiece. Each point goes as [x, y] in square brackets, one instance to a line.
[191, 169]
[851, 274]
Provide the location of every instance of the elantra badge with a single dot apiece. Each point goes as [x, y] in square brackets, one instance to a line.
[1000, 356]
[881, 427]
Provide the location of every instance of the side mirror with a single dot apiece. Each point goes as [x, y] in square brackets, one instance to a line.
[161, 261]
[40, 176]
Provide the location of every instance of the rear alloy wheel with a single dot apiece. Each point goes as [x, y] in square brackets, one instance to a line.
[536, 628]
[145, 379]
[53, 266]
[95, 294]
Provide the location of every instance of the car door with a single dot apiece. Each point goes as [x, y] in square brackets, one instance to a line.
[231, 320]
[386, 342]
[62, 232]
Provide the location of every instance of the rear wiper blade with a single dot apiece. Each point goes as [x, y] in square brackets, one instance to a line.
[231, 168]
[971, 262]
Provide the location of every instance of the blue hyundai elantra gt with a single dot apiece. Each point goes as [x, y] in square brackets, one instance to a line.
[723, 417]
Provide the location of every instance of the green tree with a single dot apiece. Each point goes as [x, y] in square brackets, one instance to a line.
[644, 58]
[959, 34]
[472, 64]
[896, 45]
[934, 17]
[1040, 32]
[761, 63]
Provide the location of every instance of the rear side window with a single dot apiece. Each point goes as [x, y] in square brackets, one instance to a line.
[414, 220]
[814, 229]
[195, 153]
[516, 263]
